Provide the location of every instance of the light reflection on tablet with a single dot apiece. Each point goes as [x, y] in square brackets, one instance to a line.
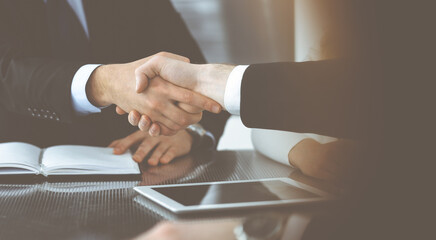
[234, 193]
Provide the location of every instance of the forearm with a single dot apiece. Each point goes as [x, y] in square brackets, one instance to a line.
[276, 144]
[212, 81]
[325, 97]
[97, 88]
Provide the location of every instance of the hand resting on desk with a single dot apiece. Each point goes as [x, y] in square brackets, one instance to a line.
[162, 149]
[331, 161]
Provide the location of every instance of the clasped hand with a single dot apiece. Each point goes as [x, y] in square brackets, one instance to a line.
[204, 80]
[166, 108]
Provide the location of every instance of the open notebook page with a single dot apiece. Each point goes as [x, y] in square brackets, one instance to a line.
[19, 158]
[83, 160]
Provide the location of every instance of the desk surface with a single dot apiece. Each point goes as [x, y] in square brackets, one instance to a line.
[113, 210]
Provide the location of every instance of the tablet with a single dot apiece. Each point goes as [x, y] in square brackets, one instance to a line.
[212, 196]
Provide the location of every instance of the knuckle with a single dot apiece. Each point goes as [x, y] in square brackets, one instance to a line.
[157, 58]
[157, 153]
[138, 71]
[170, 154]
[188, 97]
[140, 151]
[183, 120]
[154, 104]
[162, 54]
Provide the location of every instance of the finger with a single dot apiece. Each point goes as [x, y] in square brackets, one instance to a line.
[157, 154]
[148, 71]
[113, 144]
[127, 142]
[189, 108]
[196, 100]
[169, 155]
[154, 130]
[120, 111]
[165, 131]
[169, 117]
[134, 118]
[177, 119]
[144, 123]
[174, 56]
[144, 149]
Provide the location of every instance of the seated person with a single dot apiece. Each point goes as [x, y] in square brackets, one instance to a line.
[51, 94]
[315, 155]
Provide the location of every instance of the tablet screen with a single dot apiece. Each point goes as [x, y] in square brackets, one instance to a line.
[220, 193]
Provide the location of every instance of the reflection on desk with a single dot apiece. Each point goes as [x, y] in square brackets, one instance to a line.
[110, 210]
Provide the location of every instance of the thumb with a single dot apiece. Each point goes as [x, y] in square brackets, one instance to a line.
[120, 111]
[189, 108]
[141, 83]
[152, 68]
[180, 73]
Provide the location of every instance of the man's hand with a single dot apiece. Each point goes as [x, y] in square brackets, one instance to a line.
[330, 161]
[161, 149]
[116, 84]
[209, 80]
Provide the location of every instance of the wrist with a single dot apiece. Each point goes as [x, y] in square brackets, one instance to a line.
[212, 81]
[97, 88]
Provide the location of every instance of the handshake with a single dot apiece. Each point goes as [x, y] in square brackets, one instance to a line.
[163, 94]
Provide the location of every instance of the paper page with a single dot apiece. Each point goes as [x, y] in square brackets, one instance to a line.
[84, 160]
[19, 158]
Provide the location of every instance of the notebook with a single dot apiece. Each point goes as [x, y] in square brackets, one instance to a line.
[21, 158]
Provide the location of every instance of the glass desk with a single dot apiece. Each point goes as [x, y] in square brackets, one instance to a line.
[113, 210]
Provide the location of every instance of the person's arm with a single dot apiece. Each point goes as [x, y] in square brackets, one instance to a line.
[81, 103]
[32, 85]
[41, 87]
[274, 144]
[324, 97]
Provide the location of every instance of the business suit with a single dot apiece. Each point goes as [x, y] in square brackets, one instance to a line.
[383, 101]
[36, 71]
[323, 97]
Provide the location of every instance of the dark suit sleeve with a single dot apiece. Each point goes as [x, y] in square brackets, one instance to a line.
[330, 97]
[31, 85]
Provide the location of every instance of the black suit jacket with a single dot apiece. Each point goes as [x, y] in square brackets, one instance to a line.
[35, 80]
[385, 99]
[324, 97]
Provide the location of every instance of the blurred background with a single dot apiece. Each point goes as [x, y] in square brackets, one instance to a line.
[247, 32]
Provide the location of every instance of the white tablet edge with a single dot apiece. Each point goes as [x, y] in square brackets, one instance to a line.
[150, 193]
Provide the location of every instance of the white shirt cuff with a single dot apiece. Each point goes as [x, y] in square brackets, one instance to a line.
[232, 94]
[81, 104]
[276, 144]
